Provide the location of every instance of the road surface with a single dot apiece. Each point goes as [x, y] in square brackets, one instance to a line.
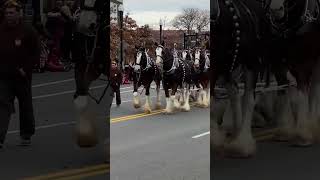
[158, 146]
[53, 148]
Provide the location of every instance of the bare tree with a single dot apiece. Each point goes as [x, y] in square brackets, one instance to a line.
[187, 19]
[203, 20]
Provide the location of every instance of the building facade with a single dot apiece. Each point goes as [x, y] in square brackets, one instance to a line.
[114, 6]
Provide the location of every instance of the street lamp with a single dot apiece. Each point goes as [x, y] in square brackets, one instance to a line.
[120, 15]
[160, 23]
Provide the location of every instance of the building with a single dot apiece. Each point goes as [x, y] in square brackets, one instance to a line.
[114, 6]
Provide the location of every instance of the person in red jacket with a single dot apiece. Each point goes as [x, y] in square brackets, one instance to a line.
[19, 50]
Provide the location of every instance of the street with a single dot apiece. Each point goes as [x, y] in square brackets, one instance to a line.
[158, 146]
[273, 160]
[53, 148]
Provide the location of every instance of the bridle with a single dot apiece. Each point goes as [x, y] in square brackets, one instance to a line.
[91, 57]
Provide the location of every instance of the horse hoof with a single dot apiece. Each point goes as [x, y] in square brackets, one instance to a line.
[205, 106]
[167, 112]
[158, 106]
[186, 109]
[136, 106]
[241, 147]
[300, 141]
[147, 111]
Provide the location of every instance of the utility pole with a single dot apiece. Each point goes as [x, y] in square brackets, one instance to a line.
[120, 14]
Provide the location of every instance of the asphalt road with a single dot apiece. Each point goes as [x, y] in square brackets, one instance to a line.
[273, 160]
[158, 146]
[53, 148]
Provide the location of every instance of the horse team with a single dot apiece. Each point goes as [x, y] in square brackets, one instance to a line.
[177, 70]
[281, 37]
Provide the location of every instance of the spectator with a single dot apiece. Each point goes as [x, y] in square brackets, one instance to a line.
[55, 26]
[66, 41]
[19, 49]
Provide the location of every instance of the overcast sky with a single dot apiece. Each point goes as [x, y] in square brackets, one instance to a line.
[150, 11]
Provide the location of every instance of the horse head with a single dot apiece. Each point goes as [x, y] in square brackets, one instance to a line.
[159, 54]
[197, 56]
[277, 9]
[88, 17]
[141, 59]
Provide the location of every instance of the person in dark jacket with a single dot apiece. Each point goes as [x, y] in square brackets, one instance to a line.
[19, 49]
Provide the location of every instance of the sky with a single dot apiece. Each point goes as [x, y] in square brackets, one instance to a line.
[150, 11]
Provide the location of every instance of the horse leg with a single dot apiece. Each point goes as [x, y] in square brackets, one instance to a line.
[186, 106]
[86, 133]
[169, 106]
[158, 104]
[244, 145]
[199, 95]
[302, 135]
[136, 99]
[218, 137]
[315, 101]
[147, 108]
[173, 97]
[205, 94]
[284, 121]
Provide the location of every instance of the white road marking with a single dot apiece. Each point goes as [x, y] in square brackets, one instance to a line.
[64, 92]
[200, 135]
[51, 83]
[126, 101]
[46, 126]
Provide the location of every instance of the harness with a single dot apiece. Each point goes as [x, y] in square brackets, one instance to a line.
[177, 60]
[89, 13]
[150, 64]
[310, 15]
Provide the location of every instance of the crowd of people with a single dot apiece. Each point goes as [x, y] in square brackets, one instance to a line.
[56, 37]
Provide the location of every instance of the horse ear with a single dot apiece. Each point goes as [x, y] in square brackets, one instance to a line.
[162, 43]
[156, 44]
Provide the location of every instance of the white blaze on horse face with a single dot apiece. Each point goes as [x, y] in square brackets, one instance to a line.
[138, 60]
[184, 55]
[159, 55]
[277, 8]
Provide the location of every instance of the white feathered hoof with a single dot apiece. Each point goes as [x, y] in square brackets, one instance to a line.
[158, 106]
[302, 138]
[244, 146]
[169, 106]
[218, 139]
[85, 131]
[186, 107]
[177, 105]
[81, 103]
[136, 101]
[147, 109]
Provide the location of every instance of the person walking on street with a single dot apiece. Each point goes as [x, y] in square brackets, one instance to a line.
[19, 50]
